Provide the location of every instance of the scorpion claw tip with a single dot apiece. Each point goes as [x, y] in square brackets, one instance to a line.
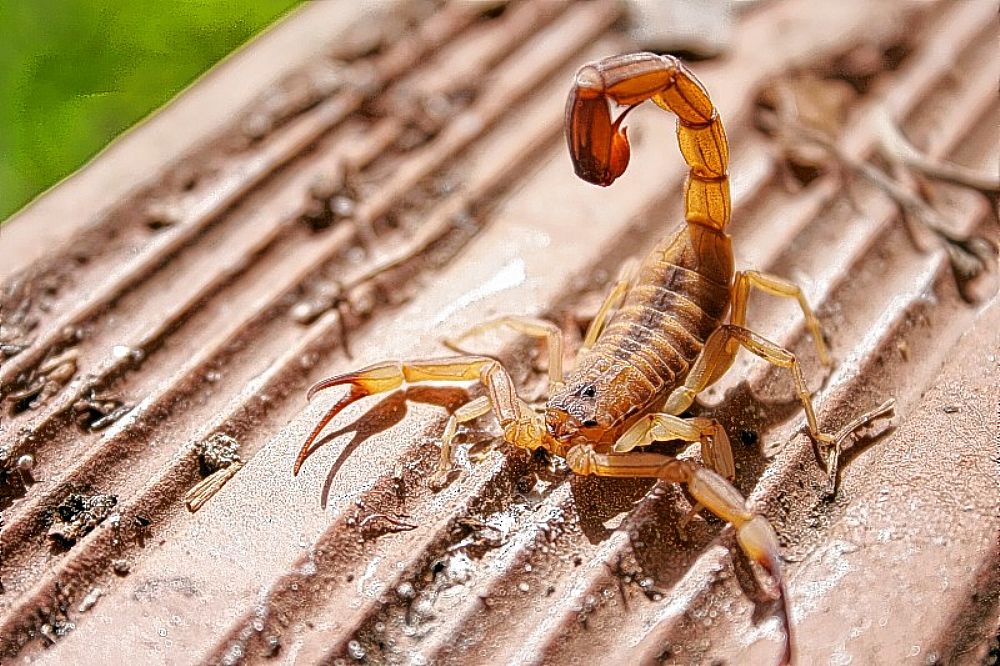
[330, 382]
[301, 458]
[357, 392]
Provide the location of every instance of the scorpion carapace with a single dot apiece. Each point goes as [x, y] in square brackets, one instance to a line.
[656, 342]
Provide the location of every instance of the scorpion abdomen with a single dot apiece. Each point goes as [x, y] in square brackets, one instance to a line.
[677, 301]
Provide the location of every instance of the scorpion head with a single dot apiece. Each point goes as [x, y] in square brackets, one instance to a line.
[576, 414]
[596, 404]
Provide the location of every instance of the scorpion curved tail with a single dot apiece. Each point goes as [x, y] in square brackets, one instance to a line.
[599, 145]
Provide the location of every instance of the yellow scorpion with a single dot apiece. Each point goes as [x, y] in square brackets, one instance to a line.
[659, 339]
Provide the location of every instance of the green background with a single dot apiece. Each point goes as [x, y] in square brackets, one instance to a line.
[76, 73]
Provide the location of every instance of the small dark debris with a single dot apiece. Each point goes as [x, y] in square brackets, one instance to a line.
[43, 382]
[96, 412]
[15, 328]
[749, 437]
[78, 515]
[317, 215]
[474, 537]
[950, 409]
[141, 524]
[161, 215]
[14, 479]
[541, 456]
[970, 259]
[187, 176]
[491, 10]
[272, 646]
[111, 417]
[329, 199]
[23, 400]
[216, 452]
[524, 484]
[11, 349]
[666, 655]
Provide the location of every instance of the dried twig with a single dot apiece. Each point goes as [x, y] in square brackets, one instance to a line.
[897, 148]
[969, 256]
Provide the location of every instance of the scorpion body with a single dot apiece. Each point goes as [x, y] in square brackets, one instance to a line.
[681, 293]
[655, 337]
[658, 339]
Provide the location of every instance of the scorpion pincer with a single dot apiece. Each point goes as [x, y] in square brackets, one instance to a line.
[659, 339]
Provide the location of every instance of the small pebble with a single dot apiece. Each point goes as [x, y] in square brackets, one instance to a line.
[25, 464]
[342, 206]
[91, 599]
[355, 650]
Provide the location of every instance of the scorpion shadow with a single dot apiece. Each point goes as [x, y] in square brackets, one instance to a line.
[385, 414]
[662, 549]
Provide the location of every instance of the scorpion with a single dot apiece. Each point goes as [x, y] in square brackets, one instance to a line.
[658, 339]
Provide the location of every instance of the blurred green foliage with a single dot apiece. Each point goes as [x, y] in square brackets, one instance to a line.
[76, 73]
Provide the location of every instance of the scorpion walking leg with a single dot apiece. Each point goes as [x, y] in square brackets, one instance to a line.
[521, 425]
[754, 533]
[467, 412]
[776, 286]
[716, 452]
[613, 301]
[715, 449]
[536, 328]
[718, 355]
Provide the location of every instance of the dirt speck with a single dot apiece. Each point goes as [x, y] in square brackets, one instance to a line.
[77, 515]
[216, 452]
[91, 599]
[97, 411]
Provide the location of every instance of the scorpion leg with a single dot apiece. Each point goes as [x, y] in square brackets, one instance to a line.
[467, 412]
[717, 356]
[716, 452]
[715, 449]
[536, 328]
[613, 301]
[754, 533]
[776, 286]
[521, 425]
